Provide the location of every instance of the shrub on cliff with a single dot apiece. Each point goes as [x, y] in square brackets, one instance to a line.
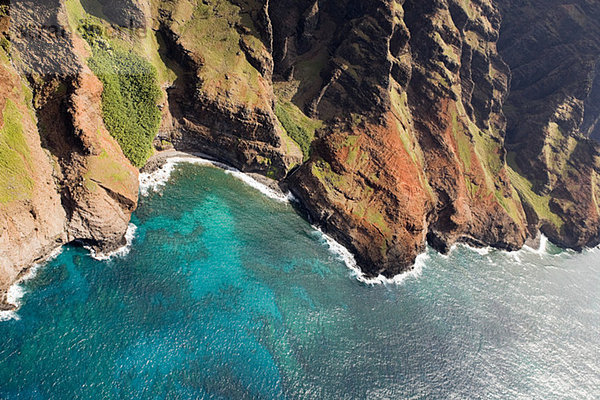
[130, 96]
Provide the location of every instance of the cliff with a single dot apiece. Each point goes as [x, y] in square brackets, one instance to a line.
[416, 151]
[396, 123]
[553, 108]
[64, 178]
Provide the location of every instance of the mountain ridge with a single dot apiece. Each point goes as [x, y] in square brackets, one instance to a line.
[396, 123]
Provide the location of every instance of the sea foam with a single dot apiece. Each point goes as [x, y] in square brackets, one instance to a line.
[15, 293]
[120, 252]
[346, 256]
[157, 179]
[542, 249]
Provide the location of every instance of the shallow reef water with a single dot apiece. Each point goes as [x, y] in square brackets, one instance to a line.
[226, 293]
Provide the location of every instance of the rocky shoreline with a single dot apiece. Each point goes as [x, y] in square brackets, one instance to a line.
[160, 158]
[396, 124]
[155, 162]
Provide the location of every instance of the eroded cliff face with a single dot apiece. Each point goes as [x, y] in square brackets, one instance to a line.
[385, 118]
[553, 49]
[398, 107]
[222, 102]
[67, 180]
[33, 220]
[416, 150]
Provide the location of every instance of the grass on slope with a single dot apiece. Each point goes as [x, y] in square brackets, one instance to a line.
[15, 181]
[297, 125]
[541, 204]
[478, 149]
[209, 29]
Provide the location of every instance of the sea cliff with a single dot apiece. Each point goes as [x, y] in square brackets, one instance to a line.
[396, 123]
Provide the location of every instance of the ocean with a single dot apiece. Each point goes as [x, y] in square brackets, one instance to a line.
[224, 292]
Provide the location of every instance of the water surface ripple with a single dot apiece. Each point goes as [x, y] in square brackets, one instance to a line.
[226, 293]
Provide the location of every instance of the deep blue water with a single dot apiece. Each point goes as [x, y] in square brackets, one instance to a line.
[228, 294]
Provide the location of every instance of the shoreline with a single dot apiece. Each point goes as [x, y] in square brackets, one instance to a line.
[160, 165]
[537, 244]
[164, 161]
[160, 158]
[12, 295]
[272, 189]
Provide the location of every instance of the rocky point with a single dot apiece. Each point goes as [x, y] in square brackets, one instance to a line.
[396, 123]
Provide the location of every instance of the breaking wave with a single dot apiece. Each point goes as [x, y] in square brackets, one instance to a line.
[156, 180]
[346, 256]
[15, 293]
[120, 252]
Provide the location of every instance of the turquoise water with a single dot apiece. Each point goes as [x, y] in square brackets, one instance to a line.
[226, 293]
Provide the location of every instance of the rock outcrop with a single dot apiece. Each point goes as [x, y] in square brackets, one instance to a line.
[418, 152]
[33, 219]
[553, 109]
[222, 102]
[397, 123]
[75, 184]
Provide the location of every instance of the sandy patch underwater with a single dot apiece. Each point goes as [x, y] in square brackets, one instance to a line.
[226, 293]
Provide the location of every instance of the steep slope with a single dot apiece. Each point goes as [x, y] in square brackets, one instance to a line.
[385, 118]
[413, 98]
[67, 177]
[553, 49]
[32, 219]
[99, 186]
[222, 102]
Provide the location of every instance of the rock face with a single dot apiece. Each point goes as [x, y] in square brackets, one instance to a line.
[76, 185]
[222, 102]
[425, 158]
[397, 123]
[132, 14]
[33, 220]
[553, 49]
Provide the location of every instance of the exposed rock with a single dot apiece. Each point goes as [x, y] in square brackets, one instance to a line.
[398, 107]
[223, 104]
[83, 188]
[553, 50]
[428, 77]
[32, 220]
[132, 14]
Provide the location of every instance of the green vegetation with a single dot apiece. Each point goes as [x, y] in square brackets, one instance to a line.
[4, 44]
[481, 155]
[362, 209]
[463, 142]
[129, 66]
[307, 74]
[15, 160]
[130, 94]
[376, 218]
[334, 185]
[104, 169]
[541, 204]
[322, 171]
[297, 125]
[401, 110]
[209, 29]
[351, 143]
[306, 82]
[75, 13]
[155, 52]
